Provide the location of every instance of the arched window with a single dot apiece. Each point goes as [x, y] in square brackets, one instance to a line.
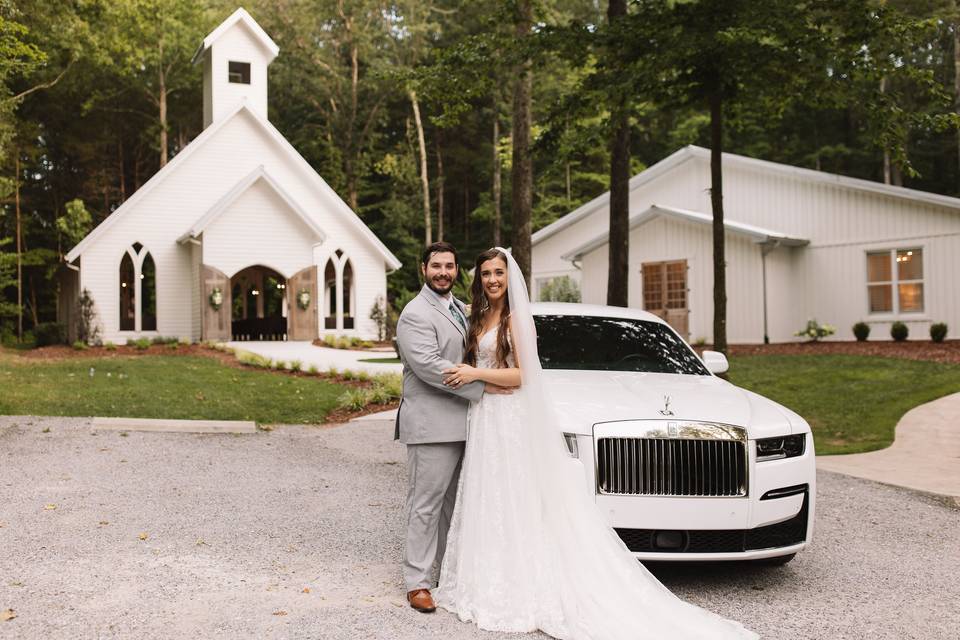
[348, 320]
[138, 290]
[148, 294]
[128, 294]
[330, 295]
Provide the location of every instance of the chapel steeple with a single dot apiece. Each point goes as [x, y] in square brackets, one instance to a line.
[235, 57]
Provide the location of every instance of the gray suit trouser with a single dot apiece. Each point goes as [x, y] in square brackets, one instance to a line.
[433, 473]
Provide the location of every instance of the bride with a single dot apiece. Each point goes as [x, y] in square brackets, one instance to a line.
[527, 548]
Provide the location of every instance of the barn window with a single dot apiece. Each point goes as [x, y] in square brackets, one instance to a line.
[239, 72]
[895, 281]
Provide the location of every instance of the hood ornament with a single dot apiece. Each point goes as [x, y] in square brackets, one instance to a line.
[666, 407]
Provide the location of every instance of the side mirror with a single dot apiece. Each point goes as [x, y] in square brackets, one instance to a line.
[715, 361]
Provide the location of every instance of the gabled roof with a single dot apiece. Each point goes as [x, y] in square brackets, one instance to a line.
[318, 182]
[690, 152]
[240, 15]
[238, 190]
[757, 234]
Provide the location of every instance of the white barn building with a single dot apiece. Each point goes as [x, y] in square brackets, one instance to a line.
[800, 245]
[237, 236]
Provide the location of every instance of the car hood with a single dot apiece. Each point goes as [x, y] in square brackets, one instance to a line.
[584, 398]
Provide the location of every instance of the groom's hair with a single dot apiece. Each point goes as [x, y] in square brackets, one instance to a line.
[439, 247]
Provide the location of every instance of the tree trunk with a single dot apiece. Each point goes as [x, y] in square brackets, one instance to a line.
[162, 99]
[16, 189]
[716, 199]
[522, 172]
[424, 178]
[123, 182]
[496, 174]
[439, 189]
[956, 79]
[886, 151]
[618, 260]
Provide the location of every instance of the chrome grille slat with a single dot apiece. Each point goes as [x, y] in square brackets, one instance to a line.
[671, 467]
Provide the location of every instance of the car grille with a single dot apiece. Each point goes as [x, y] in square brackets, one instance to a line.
[773, 536]
[677, 467]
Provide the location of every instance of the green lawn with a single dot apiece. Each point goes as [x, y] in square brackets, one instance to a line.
[852, 403]
[381, 360]
[187, 387]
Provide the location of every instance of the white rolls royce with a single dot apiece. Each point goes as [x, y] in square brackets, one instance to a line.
[685, 465]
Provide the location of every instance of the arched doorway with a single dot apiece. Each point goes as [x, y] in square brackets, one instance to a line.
[258, 304]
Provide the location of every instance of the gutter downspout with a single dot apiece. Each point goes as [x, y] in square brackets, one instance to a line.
[766, 247]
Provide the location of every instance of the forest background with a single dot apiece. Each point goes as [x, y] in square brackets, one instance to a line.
[475, 122]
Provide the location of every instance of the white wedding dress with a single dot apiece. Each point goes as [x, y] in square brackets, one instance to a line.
[527, 548]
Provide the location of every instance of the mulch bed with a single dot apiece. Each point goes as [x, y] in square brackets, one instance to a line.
[947, 351]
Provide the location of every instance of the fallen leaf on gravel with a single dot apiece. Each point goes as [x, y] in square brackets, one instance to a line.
[49, 507]
[8, 615]
[200, 541]
[280, 613]
[16, 584]
[265, 427]
[396, 604]
[46, 430]
[374, 504]
[306, 590]
[144, 536]
[103, 522]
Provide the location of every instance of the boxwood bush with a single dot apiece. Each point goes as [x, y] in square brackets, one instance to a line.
[861, 331]
[899, 331]
[938, 332]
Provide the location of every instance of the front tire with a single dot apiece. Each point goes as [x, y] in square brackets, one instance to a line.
[778, 561]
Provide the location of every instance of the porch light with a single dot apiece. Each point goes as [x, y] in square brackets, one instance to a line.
[254, 293]
[123, 284]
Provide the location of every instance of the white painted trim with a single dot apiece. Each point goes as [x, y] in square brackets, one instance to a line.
[237, 16]
[758, 234]
[238, 190]
[391, 260]
[730, 159]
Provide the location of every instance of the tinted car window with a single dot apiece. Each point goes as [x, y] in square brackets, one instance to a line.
[612, 344]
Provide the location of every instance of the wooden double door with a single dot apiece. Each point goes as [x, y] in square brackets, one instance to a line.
[665, 293]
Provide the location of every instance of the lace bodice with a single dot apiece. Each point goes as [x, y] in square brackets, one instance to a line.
[487, 351]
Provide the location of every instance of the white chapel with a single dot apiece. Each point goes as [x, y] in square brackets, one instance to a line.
[237, 237]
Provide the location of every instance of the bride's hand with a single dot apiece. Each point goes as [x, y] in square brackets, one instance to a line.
[460, 375]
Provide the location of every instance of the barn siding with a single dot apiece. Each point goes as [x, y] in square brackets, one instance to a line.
[825, 280]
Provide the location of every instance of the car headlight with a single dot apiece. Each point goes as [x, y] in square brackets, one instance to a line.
[781, 447]
[571, 440]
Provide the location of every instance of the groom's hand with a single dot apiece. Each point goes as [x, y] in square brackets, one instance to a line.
[496, 389]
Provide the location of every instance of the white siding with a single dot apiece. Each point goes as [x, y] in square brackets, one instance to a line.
[825, 280]
[163, 214]
[238, 45]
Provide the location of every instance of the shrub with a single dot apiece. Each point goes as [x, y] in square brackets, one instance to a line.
[313, 370]
[47, 333]
[348, 374]
[330, 341]
[333, 371]
[861, 331]
[142, 344]
[380, 314]
[279, 364]
[392, 383]
[109, 346]
[814, 331]
[296, 365]
[355, 399]
[172, 346]
[80, 345]
[938, 331]
[88, 329]
[254, 359]
[899, 331]
[342, 342]
[363, 376]
[562, 289]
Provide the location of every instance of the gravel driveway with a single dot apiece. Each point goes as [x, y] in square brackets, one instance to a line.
[296, 534]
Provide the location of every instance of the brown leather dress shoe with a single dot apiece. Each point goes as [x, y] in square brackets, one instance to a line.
[421, 600]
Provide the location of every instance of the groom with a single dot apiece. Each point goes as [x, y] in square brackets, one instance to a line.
[432, 418]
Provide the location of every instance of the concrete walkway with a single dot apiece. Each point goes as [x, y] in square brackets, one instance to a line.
[320, 357]
[925, 454]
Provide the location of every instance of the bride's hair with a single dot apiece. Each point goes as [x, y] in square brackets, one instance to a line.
[479, 305]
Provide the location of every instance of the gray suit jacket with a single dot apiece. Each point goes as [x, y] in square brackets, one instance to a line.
[430, 340]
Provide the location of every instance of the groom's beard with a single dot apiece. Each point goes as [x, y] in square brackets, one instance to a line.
[440, 286]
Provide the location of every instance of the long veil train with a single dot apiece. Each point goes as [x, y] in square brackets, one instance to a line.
[605, 593]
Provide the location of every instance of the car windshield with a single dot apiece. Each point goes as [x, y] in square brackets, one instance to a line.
[612, 344]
